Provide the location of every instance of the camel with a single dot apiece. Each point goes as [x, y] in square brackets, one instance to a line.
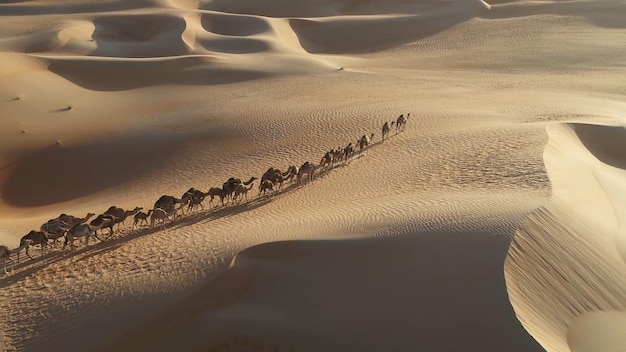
[104, 221]
[141, 217]
[306, 169]
[291, 173]
[241, 191]
[86, 231]
[386, 129]
[216, 192]
[364, 142]
[125, 215]
[56, 228]
[32, 238]
[274, 175]
[5, 255]
[348, 151]
[229, 186]
[120, 214]
[168, 203]
[196, 197]
[401, 122]
[327, 159]
[337, 155]
[266, 186]
[162, 215]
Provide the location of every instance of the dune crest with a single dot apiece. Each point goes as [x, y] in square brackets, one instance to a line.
[565, 261]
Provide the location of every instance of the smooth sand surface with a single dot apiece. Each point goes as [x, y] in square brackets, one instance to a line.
[493, 222]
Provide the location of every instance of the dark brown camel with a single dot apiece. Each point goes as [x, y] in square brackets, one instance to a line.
[266, 186]
[103, 221]
[401, 122]
[168, 203]
[141, 217]
[386, 130]
[274, 175]
[33, 238]
[229, 186]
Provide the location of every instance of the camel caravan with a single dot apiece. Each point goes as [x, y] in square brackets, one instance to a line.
[64, 230]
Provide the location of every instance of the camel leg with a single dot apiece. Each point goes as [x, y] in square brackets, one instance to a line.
[28, 254]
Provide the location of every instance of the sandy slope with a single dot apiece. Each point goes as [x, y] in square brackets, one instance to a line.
[571, 251]
[403, 248]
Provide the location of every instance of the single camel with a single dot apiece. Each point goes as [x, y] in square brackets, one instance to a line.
[327, 160]
[401, 122]
[266, 186]
[5, 255]
[241, 191]
[104, 222]
[141, 217]
[348, 151]
[216, 192]
[386, 130]
[364, 142]
[33, 238]
[159, 214]
[306, 169]
[86, 231]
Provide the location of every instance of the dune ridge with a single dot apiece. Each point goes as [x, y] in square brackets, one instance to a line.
[568, 252]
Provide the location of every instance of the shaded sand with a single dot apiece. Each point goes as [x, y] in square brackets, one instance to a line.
[405, 247]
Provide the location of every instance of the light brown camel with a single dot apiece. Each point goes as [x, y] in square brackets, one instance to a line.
[159, 214]
[229, 186]
[241, 191]
[5, 255]
[141, 217]
[33, 238]
[216, 192]
[84, 230]
[266, 186]
[306, 169]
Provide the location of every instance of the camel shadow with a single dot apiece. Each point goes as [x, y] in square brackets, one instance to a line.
[121, 237]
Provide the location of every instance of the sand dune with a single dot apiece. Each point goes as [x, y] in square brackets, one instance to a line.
[514, 140]
[568, 253]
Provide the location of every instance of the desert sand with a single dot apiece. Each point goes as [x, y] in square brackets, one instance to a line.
[493, 222]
